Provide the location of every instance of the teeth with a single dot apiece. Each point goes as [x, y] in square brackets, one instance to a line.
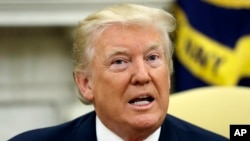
[141, 103]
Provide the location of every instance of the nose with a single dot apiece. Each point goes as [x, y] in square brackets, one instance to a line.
[140, 75]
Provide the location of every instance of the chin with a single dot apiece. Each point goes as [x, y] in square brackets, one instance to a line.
[148, 121]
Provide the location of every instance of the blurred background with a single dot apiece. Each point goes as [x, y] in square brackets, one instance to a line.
[36, 84]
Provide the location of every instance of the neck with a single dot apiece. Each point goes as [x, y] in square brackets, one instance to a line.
[128, 134]
[131, 133]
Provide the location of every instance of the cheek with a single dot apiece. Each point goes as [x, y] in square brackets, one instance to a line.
[109, 92]
[163, 78]
[162, 83]
[110, 85]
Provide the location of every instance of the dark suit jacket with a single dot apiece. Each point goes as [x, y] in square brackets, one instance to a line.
[84, 129]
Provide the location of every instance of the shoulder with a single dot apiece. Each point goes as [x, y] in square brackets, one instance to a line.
[184, 131]
[66, 131]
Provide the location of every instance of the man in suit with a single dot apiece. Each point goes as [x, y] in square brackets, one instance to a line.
[122, 58]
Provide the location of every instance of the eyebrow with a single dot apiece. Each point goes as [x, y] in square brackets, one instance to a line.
[123, 50]
[116, 51]
[152, 46]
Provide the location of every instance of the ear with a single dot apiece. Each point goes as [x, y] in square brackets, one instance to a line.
[84, 85]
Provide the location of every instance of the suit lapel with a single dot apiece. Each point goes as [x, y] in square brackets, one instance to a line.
[168, 131]
[87, 129]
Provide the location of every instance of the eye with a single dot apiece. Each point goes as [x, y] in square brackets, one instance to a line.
[118, 61]
[154, 60]
[152, 57]
[118, 64]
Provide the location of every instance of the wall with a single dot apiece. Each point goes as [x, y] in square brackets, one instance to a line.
[36, 84]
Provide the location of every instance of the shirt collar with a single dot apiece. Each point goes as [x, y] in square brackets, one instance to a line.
[104, 134]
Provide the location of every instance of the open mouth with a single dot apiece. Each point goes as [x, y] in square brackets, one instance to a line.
[141, 100]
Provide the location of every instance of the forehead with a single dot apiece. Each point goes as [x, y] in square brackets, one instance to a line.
[122, 35]
[118, 28]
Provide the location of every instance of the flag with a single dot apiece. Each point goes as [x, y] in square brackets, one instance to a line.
[212, 44]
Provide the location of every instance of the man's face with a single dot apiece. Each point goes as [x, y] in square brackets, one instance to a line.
[130, 78]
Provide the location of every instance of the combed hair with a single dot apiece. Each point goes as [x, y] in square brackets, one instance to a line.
[93, 25]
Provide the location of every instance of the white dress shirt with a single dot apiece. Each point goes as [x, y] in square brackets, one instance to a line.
[104, 134]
